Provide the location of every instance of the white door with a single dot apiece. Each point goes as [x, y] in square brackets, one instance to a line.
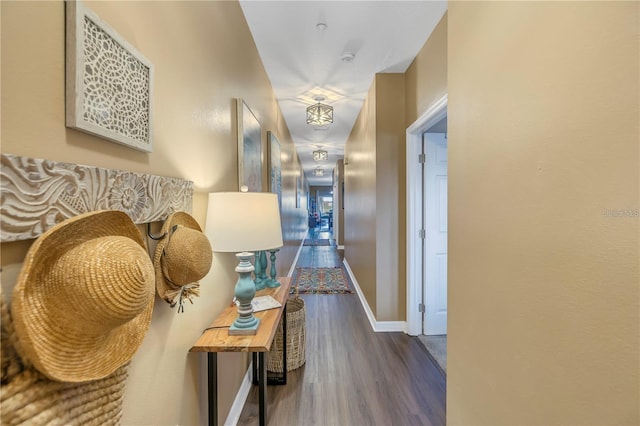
[435, 210]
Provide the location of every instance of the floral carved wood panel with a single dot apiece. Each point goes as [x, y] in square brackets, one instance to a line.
[36, 194]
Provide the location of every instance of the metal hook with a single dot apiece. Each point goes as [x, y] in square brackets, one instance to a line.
[155, 237]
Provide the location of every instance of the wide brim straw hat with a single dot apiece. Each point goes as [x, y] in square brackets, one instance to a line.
[84, 297]
[182, 258]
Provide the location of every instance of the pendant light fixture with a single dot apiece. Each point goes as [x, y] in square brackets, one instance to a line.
[320, 155]
[319, 114]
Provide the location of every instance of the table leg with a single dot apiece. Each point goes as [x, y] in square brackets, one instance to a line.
[212, 368]
[254, 368]
[284, 343]
[263, 389]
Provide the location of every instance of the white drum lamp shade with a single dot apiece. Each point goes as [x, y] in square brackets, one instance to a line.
[243, 221]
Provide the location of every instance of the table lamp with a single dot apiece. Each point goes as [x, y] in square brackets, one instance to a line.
[242, 222]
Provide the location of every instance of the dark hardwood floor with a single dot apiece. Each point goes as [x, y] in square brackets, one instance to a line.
[352, 375]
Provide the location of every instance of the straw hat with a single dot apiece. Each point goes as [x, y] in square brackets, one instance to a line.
[83, 300]
[182, 258]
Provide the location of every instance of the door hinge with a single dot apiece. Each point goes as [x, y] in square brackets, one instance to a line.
[421, 308]
[423, 234]
[422, 158]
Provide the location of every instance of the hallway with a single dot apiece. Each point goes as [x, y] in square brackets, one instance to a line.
[352, 375]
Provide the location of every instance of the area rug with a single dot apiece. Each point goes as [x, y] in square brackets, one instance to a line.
[320, 281]
[321, 242]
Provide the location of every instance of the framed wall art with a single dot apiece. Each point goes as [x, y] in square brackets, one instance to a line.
[275, 167]
[109, 84]
[249, 149]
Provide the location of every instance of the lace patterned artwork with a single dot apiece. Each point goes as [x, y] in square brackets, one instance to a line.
[116, 86]
[109, 83]
[36, 194]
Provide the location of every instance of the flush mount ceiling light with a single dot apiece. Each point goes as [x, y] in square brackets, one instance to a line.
[319, 114]
[318, 172]
[320, 155]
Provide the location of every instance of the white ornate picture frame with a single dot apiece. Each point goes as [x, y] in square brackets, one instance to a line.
[109, 84]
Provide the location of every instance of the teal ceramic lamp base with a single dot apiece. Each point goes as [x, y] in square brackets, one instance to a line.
[259, 280]
[245, 290]
[272, 281]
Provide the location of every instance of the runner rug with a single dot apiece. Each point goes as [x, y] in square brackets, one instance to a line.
[320, 242]
[321, 281]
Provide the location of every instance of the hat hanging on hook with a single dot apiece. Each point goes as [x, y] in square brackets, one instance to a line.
[83, 300]
[182, 258]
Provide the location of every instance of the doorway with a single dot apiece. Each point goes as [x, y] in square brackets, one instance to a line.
[434, 256]
[435, 173]
[417, 267]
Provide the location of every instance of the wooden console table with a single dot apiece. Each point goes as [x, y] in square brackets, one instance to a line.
[215, 338]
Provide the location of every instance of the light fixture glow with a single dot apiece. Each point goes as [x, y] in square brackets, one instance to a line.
[319, 114]
[320, 155]
[318, 172]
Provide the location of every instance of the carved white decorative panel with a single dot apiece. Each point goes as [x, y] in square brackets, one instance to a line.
[36, 194]
[109, 83]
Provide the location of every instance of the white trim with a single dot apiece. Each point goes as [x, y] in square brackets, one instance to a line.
[414, 211]
[390, 326]
[377, 326]
[431, 116]
[295, 260]
[241, 398]
[340, 247]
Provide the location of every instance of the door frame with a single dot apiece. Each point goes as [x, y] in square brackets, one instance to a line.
[431, 116]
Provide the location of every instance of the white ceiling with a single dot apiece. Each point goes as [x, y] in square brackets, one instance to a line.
[303, 61]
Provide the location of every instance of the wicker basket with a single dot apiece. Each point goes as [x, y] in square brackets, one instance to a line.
[296, 313]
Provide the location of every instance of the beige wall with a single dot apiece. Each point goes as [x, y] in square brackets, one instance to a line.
[375, 176]
[360, 199]
[204, 58]
[374, 199]
[338, 208]
[390, 199]
[426, 77]
[543, 286]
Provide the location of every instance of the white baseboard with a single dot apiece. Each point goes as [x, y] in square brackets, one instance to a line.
[340, 247]
[295, 261]
[241, 398]
[377, 326]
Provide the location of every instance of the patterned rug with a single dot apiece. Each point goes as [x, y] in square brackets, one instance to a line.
[321, 281]
[321, 242]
